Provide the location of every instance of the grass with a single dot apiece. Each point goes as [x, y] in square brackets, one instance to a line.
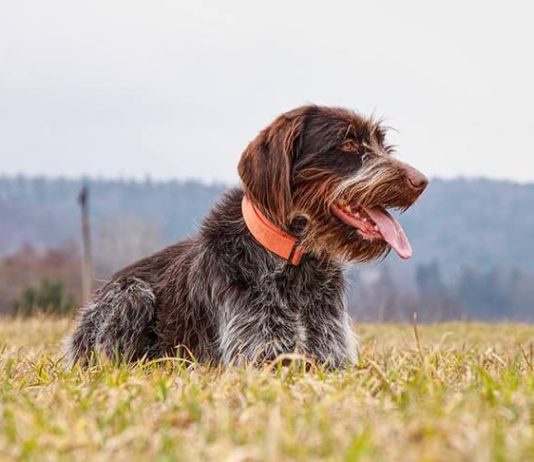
[455, 392]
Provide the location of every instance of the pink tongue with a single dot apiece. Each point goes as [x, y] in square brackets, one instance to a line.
[391, 231]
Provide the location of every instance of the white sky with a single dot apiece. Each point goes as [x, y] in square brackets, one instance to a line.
[178, 88]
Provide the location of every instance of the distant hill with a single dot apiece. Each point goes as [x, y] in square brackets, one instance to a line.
[482, 223]
[43, 212]
[487, 224]
[472, 239]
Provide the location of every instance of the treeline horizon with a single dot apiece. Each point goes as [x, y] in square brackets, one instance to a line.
[473, 252]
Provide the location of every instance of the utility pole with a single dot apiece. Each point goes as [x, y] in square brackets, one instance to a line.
[87, 260]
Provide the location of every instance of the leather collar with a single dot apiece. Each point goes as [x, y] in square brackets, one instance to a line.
[269, 235]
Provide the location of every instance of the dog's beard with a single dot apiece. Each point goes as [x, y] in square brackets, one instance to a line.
[343, 242]
[348, 218]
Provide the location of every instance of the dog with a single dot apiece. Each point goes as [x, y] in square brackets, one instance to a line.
[264, 275]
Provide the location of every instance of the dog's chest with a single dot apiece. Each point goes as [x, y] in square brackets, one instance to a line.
[275, 312]
[303, 306]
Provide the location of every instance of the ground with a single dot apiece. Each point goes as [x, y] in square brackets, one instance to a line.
[451, 392]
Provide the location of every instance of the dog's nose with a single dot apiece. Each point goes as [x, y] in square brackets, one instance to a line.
[415, 179]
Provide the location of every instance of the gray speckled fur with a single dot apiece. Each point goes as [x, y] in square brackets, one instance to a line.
[116, 322]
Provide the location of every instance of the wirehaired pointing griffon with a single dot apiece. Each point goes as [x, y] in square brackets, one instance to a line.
[264, 274]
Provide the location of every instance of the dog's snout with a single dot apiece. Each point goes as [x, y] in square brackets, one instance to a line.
[415, 179]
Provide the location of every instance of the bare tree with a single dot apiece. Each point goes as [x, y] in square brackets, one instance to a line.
[87, 260]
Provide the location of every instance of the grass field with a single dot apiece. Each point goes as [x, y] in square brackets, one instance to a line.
[455, 392]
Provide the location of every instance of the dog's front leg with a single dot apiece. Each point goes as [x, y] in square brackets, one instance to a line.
[256, 334]
[331, 339]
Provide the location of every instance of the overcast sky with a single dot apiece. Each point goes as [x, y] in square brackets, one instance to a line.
[178, 88]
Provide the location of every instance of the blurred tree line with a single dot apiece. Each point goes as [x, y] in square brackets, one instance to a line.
[472, 242]
[491, 295]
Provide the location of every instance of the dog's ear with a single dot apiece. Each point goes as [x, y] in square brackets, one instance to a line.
[265, 166]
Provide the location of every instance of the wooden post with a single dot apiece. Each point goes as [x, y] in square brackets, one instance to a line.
[87, 260]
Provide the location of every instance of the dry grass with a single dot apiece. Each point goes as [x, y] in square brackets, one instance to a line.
[465, 393]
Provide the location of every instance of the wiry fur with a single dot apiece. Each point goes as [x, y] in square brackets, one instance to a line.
[116, 322]
[223, 298]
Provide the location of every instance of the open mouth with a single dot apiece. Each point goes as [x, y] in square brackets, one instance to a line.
[375, 223]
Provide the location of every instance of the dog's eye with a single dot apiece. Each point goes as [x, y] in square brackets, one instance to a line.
[349, 146]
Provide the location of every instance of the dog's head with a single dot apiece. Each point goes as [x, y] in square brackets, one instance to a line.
[327, 176]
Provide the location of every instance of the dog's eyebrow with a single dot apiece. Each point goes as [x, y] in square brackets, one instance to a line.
[380, 130]
[349, 130]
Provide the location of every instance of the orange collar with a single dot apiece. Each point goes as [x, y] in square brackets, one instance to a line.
[268, 235]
